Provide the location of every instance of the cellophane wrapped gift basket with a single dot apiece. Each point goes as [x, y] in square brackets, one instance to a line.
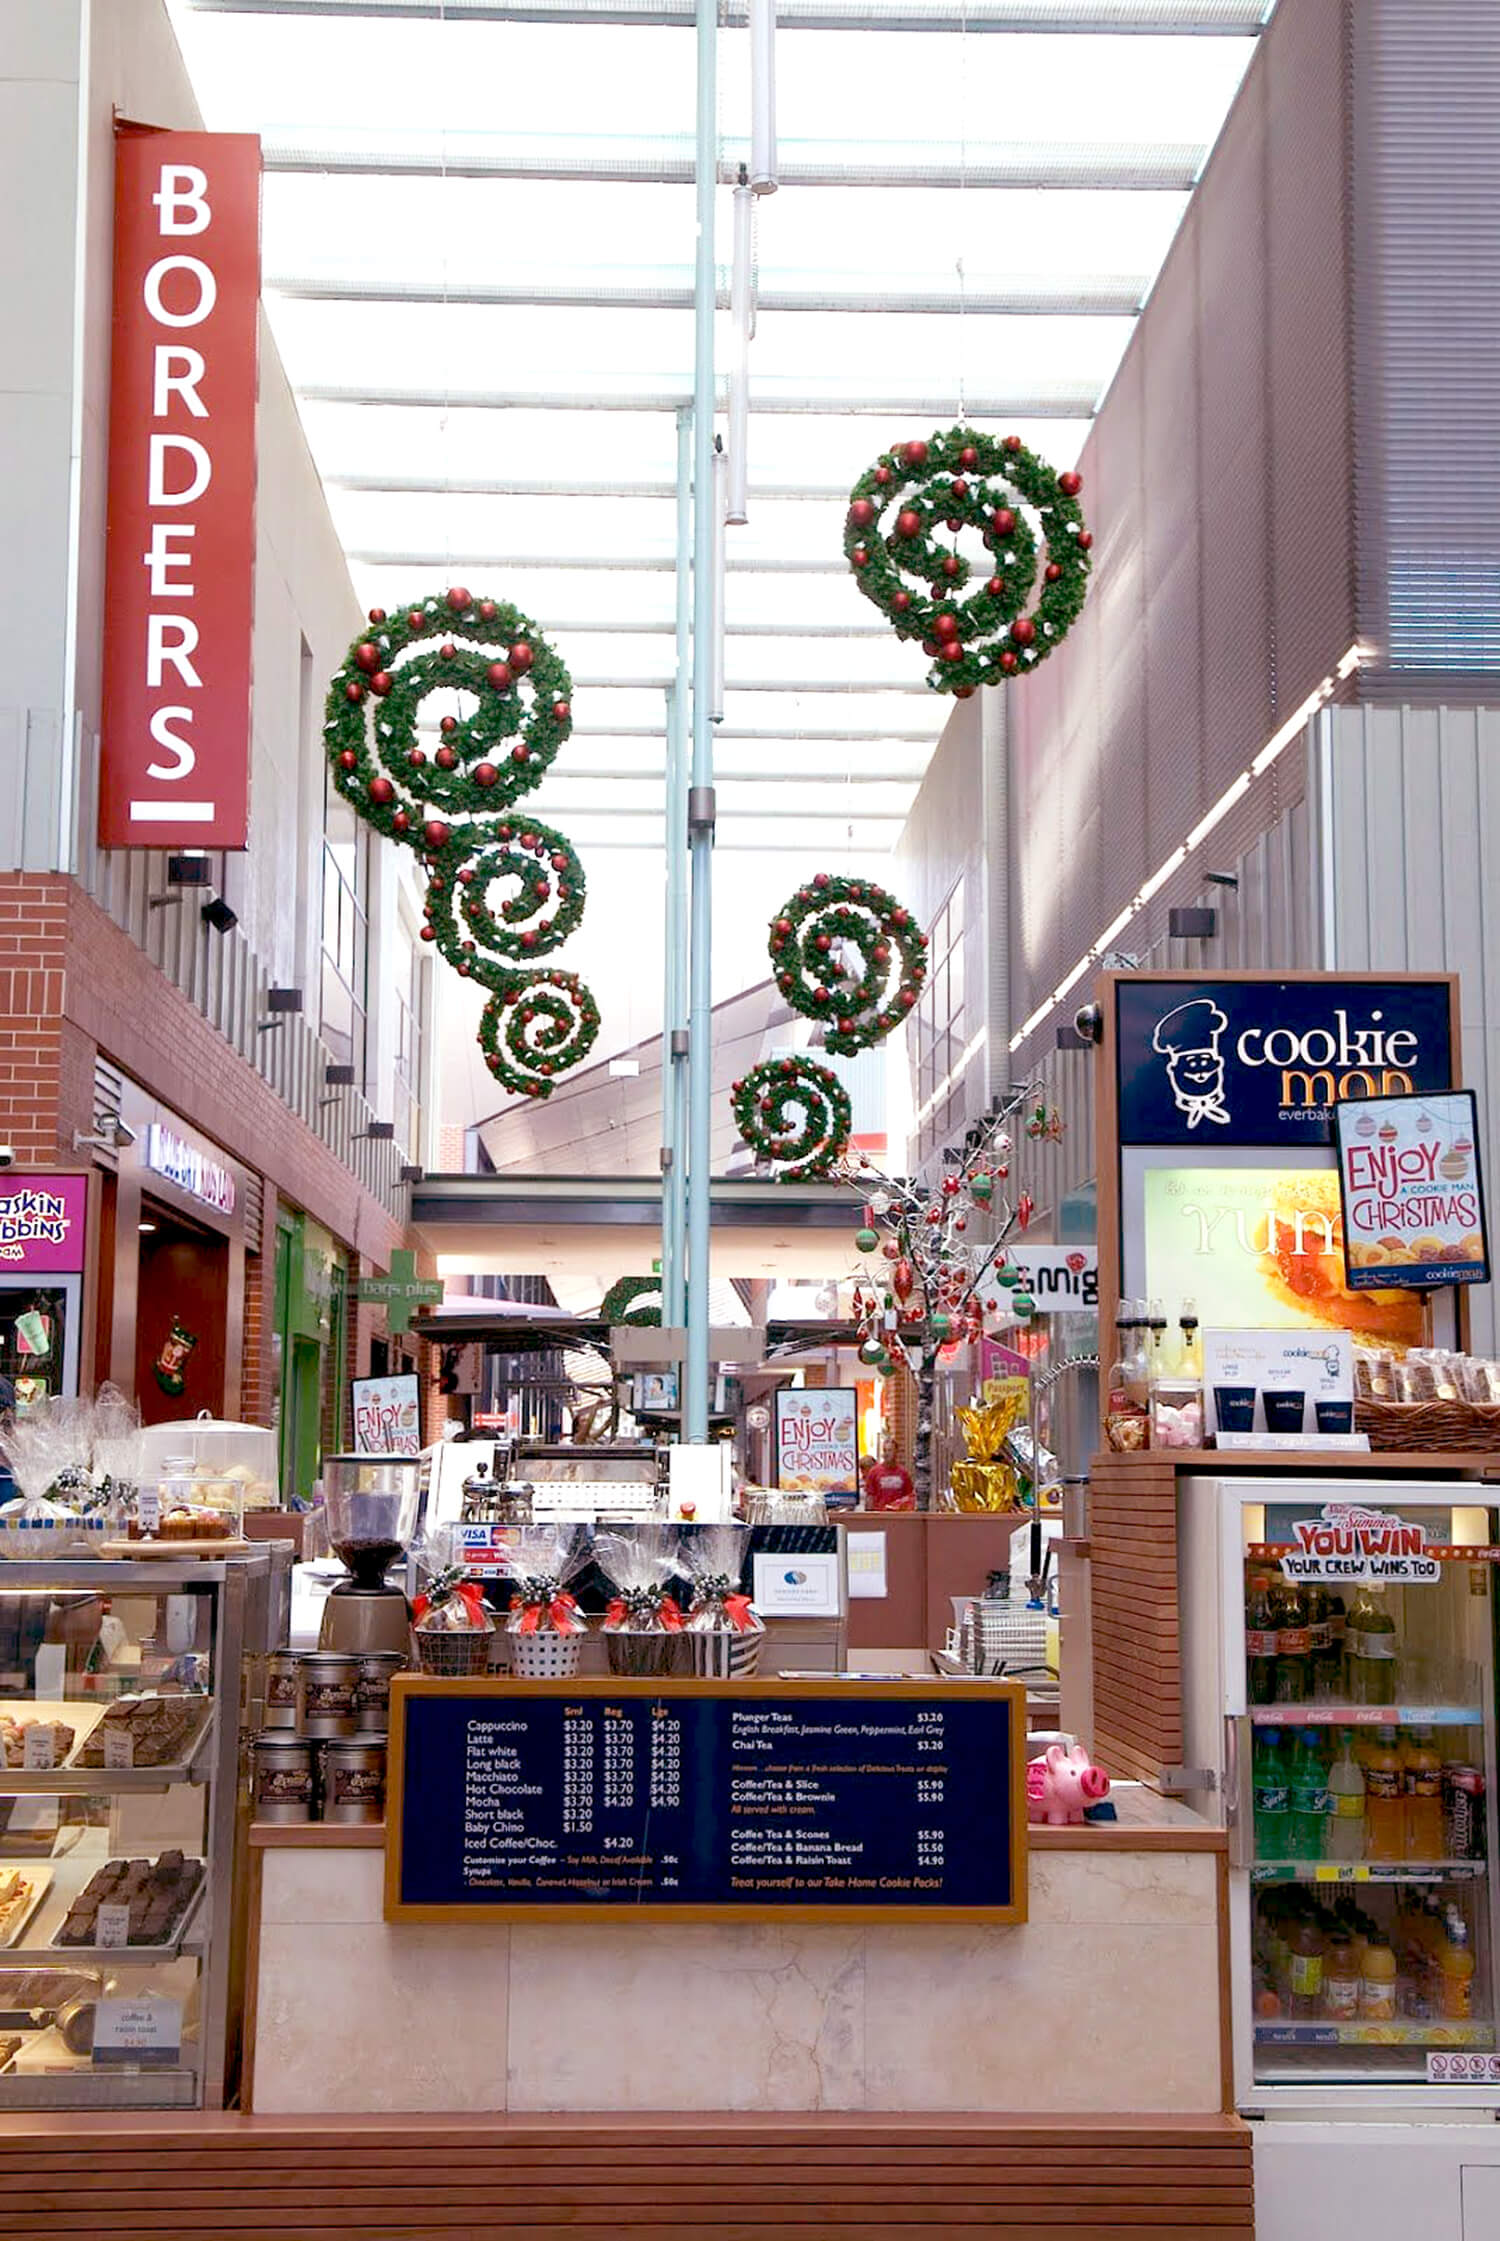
[451, 1625]
[643, 1625]
[546, 1626]
[56, 1510]
[723, 1625]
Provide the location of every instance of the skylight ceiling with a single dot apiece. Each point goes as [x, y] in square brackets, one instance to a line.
[489, 341]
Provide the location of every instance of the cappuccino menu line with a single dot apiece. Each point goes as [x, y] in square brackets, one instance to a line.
[664, 1799]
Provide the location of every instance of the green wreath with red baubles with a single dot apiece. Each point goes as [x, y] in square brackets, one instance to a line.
[955, 479]
[857, 1008]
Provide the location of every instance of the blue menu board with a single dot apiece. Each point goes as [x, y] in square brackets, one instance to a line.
[705, 1798]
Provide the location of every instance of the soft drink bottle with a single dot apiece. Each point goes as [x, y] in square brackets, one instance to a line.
[1272, 1798]
[1370, 1647]
[1260, 1641]
[1344, 1835]
[1422, 1787]
[1293, 1644]
[1385, 1813]
[1326, 1663]
[1307, 1779]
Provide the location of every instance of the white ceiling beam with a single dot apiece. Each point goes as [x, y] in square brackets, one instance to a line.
[777, 774]
[1046, 400]
[1134, 167]
[524, 486]
[1027, 297]
[661, 564]
[1224, 19]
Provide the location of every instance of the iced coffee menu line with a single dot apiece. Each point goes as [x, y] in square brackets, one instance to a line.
[706, 1801]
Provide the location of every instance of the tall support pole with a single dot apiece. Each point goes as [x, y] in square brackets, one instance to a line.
[674, 1135]
[701, 792]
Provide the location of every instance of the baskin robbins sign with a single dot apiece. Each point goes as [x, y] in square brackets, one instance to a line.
[1268, 1062]
[43, 1220]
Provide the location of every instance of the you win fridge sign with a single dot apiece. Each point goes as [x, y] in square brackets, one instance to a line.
[1350, 1543]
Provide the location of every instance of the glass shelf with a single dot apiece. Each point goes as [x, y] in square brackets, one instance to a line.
[1434, 2033]
[1366, 1715]
[1368, 1871]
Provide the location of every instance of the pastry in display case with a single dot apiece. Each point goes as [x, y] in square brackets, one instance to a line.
[119, 1732]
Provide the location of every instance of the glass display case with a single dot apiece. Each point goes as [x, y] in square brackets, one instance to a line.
[1356, 1656]
[120, 1693]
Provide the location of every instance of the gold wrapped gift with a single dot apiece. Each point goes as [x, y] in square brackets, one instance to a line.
[982, 1483]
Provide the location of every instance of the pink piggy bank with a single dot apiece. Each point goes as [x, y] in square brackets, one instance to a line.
[1061, 1783]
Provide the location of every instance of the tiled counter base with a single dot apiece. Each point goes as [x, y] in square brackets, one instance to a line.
[1108, 1998]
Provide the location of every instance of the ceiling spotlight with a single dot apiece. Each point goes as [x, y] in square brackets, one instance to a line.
[219, 914]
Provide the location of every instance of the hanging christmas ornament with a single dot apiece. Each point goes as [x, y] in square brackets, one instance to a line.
[859, 1007]
[1022, 1306]
[538, 1021]
[940, 1324]
[917, 488]
[170, 1366]
[1025, 1208]
[872, 1352]
[794, 1113]
[866, 1240]
[981, 1188]
[903, 1276]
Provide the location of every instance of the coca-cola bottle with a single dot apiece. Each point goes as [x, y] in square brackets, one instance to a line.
[1261, 1640]
[1293, 1645]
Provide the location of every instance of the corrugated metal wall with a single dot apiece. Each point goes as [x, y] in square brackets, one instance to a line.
[1414, 795]
[1427, 329]
[1218, 480]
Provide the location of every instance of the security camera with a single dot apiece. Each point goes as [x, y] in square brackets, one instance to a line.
[1088, 1020]
[7, 1155]
[123, 1133]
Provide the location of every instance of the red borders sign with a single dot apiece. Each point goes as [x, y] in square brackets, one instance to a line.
[180, 555]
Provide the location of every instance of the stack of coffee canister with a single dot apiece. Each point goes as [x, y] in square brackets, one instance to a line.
[321, 1754]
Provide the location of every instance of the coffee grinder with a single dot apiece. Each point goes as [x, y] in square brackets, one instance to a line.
[371, 1505]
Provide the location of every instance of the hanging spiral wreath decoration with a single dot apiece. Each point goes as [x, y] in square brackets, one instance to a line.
[816, 938]
[905, 513]
[795, 1113]
[449, 807]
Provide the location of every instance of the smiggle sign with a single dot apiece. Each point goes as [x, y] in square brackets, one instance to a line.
[180, 546]
[1349, 1543]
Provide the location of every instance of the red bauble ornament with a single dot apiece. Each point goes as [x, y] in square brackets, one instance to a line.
[400, 822]
[882, 476]
[950, 650]
[953, 522]
[908, 522]
[930, 648]
[823, 943]
[1052, 571]
[1012, 443]
[900, 601]
[890, 1249]
[963, 692]
[382, 791]
[1085, 538]
[521, 656]
[416, 758]
[781, 927]
[459, 600]
[445, 758]
[1025, 1208]
[449, 725]
[435, 833]
[951, 1186]
[561, 712]
[348, 760]
[859, 557]
[820, 995]
[367, 656]
[968, 457]
[1008, 661]
[558, 863]
[821, 879]
[528, 939]
[466, 877]
[486, 610]
[951, 564]
[354, 691]
[381, 683]
[1023, 630]
[485, 774]
[916, 455]
[377, 614]
[959, 487]
[448, 651]
[415, 619]
[1070, 484]
[429, 934]
[996, 587]
[862, 513]
[1003, 522]
[518, 753]
[946, 626]
[499, 676]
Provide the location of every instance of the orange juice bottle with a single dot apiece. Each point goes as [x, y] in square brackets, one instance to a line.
[1422, 1787]
[1385, 1803]
[1455, 1972]
[1377, 1996]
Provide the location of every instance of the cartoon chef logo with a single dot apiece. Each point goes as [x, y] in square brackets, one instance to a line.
[1188, 1039]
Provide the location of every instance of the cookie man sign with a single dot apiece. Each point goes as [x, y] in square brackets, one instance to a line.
[180, 547]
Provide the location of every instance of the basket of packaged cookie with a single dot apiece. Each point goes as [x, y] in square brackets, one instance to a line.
[1427, 1400]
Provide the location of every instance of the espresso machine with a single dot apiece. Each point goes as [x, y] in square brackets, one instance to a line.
[371, 1508]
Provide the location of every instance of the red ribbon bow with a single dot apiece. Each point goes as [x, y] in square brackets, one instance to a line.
[739, 1613]
[558, 1612]
[469, 1593]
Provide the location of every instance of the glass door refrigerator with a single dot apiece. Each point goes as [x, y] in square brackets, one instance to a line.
[1339, 1685]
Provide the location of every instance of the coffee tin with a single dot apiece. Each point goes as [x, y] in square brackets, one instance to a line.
[282, 1668]
[354, 1780]
[283, 1777]
[330, 1690]
[376, 1672]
